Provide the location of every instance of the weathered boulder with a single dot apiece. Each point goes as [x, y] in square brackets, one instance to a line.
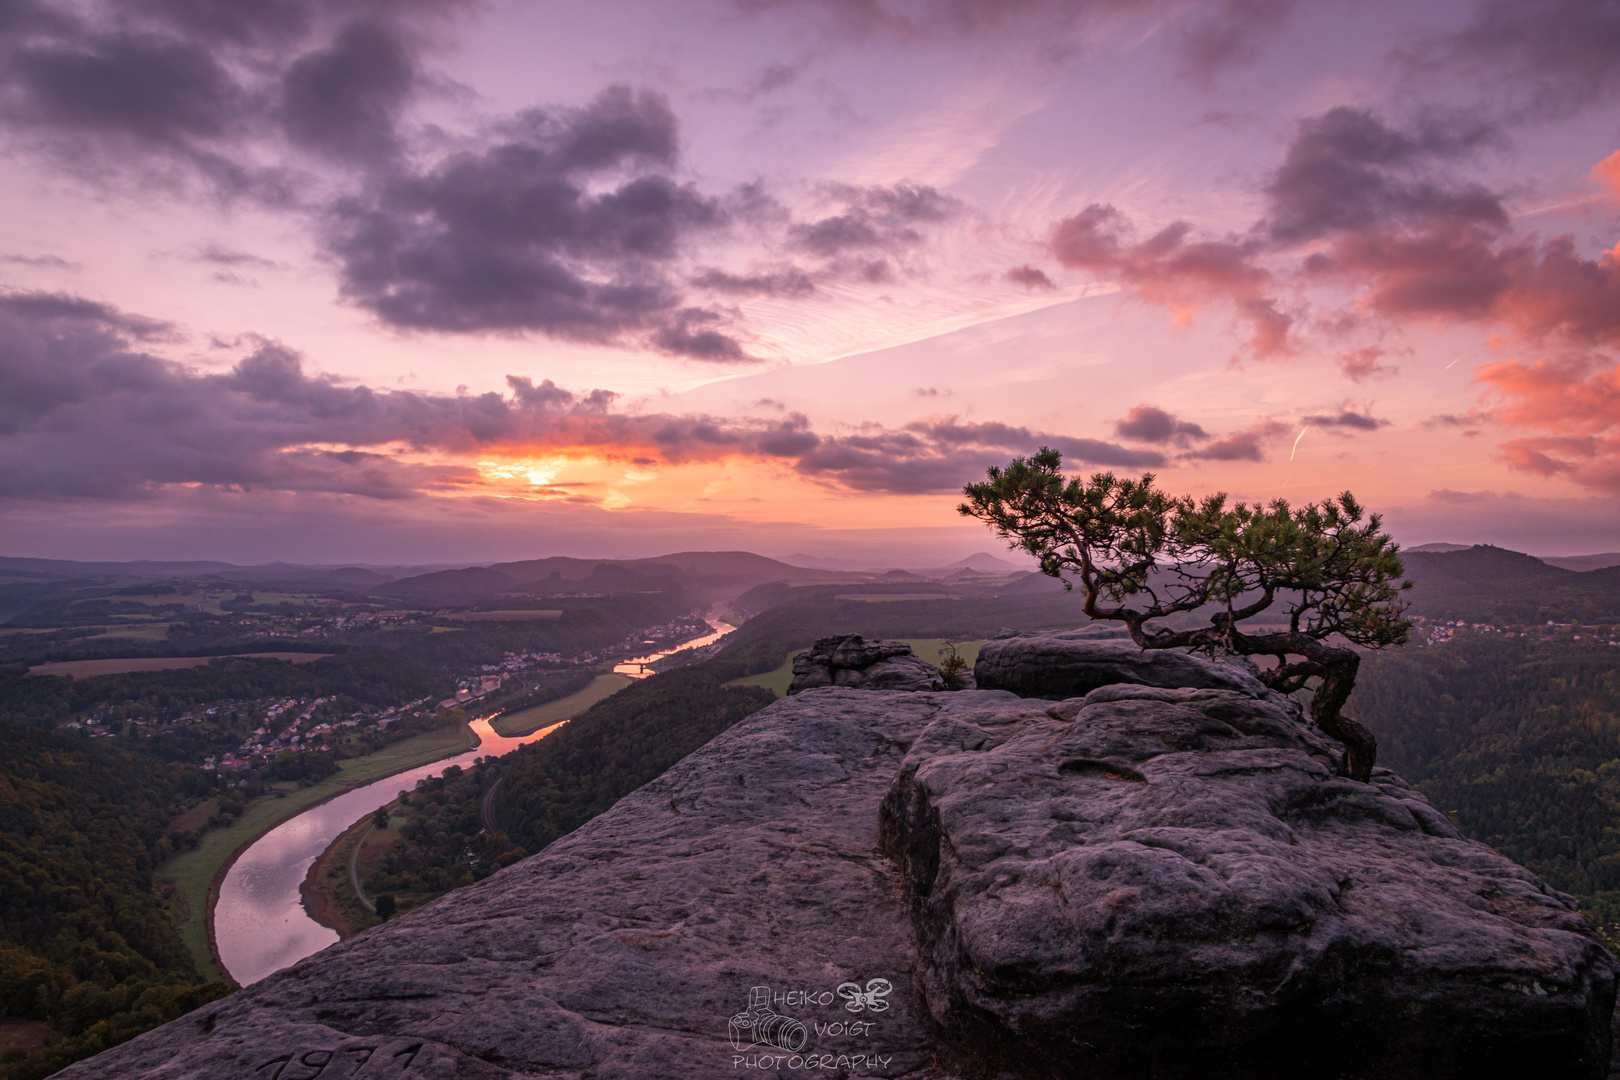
[1158, 882]
[1145, 883]
[849, 660]
[1065, 665]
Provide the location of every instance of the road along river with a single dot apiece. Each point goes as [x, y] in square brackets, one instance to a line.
[260, 925]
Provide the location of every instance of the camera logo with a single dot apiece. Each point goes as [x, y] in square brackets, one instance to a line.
[858, 1000]
[763, 1025]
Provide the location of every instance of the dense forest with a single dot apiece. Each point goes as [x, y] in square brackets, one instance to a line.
[1519, 740]
[86, 945]
[551, 787]
[440, 842]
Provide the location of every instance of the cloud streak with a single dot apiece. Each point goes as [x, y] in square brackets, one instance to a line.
[85, 411]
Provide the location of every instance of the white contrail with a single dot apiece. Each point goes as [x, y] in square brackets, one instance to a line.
[1301, 435]
[1453, 364]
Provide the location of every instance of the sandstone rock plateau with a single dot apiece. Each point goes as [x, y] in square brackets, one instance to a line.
[850, 660]
[1140, 881]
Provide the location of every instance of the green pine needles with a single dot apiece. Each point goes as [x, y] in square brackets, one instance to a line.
[1304, 586]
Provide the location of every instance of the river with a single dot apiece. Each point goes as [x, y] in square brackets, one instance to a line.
[260, 925]
[636, 667]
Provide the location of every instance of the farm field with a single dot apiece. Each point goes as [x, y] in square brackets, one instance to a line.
[83, 669]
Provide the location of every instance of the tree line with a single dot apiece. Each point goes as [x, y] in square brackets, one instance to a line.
[1519, 740]
[86, 944]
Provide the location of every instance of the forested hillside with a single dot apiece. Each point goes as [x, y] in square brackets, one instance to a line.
[1519, 739]
[439, 838]
[86, 945]
[551, 787]
[1493, 585]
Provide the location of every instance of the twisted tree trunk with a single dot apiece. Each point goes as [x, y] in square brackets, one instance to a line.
[1336, 668]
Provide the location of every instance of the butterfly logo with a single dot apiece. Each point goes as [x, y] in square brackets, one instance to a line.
[858, 1000]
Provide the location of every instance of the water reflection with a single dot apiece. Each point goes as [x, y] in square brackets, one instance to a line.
[637, 667]
[260, 925]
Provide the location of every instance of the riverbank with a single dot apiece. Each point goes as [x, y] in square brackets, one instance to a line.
[328, 891]
[528, 721]
[197, 874]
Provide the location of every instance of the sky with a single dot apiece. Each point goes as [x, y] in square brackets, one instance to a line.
[420, 281]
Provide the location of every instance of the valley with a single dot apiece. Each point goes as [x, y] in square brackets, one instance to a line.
[264, 714]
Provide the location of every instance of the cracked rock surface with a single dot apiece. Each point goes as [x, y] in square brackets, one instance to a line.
[1065, 665]
[1142, 882]
[1153, 882]
[851, 660]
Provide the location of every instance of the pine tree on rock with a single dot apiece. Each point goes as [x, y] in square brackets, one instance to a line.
[1324, 574]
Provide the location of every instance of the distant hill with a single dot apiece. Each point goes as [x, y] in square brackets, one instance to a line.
[987, 563]
[1583, 562]
[1491, 584]
[706, 576]
[452, 587]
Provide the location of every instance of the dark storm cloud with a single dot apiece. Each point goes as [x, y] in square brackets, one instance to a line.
[1148, 423]
[690, 332]
[261, 22]
[1423, 246]
[25, 16]
[568, 222]
[342, 101]
[85, 411]
[155, 89]
[524, 235]
[1551, 58]
[177, 89]
[79, 315]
